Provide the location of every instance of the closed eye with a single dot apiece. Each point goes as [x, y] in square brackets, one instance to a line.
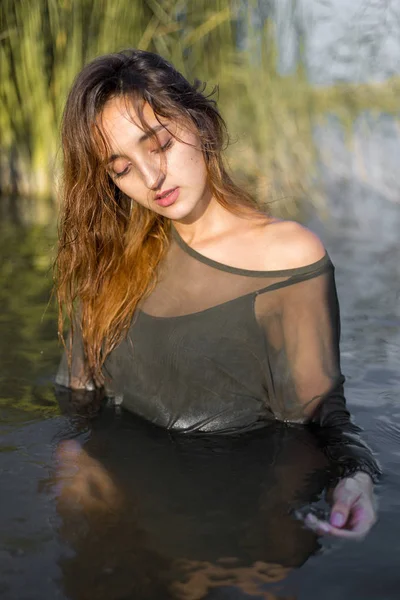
[121, 173]
[166, 146]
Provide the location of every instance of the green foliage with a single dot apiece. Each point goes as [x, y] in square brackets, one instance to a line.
[44, 44]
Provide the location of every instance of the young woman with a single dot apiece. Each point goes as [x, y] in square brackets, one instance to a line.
[189, 305]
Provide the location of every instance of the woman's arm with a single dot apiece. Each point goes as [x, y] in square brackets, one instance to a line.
[307, 384]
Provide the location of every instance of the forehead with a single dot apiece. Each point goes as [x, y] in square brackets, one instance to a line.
[119, 120]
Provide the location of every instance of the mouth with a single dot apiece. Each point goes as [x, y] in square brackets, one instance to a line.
[168, 197]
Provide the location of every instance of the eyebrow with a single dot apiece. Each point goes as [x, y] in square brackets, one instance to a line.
[142, 139]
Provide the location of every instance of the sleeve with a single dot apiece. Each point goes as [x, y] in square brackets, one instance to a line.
[73, 371]
[77, 395]
[304, 374]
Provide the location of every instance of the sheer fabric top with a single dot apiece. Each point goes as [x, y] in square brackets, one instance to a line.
[216, 348]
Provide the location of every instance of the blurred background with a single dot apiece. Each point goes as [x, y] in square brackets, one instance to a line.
[310, 90]
[284, 68]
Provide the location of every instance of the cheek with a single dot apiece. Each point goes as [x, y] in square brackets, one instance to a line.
[130, 185]
[191, 164]
[123, 187]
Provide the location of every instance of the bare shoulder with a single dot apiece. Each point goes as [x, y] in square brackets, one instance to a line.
[290, 245]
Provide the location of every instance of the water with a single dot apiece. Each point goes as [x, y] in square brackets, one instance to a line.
[204, 519]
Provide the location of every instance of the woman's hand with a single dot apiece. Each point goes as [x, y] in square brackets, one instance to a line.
[353, 509]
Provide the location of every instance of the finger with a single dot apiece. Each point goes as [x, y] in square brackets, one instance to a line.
[325, 528]
[317, 525]
[359, 526]
[363, 517]
[349, 534]
[345, 496]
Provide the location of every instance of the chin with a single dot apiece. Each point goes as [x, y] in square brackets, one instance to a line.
[178, 213]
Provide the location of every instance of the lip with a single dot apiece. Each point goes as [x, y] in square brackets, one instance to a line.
[168, 200]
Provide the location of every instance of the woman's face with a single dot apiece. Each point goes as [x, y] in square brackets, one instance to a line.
[139, 170]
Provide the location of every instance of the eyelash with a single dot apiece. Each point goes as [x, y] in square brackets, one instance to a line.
[164, 148]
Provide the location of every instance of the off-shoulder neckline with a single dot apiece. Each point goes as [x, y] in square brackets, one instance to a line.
[315, 266]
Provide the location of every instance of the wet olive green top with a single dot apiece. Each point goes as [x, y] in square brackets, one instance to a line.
[218, 349]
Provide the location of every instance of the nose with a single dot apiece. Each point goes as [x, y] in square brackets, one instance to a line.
[152, 174]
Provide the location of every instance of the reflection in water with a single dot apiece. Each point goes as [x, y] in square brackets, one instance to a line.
[154, 515]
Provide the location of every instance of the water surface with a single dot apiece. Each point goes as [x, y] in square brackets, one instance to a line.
[197, 519]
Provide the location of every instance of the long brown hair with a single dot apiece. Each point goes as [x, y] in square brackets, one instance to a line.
[109, 247]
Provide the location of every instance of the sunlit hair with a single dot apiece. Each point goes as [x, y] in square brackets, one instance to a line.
[109, 246]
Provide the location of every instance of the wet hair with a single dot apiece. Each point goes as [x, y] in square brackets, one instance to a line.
[109, 246]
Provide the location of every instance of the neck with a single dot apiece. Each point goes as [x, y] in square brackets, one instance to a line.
[212, 220]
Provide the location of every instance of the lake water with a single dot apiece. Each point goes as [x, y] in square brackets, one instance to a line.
[209, 519]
